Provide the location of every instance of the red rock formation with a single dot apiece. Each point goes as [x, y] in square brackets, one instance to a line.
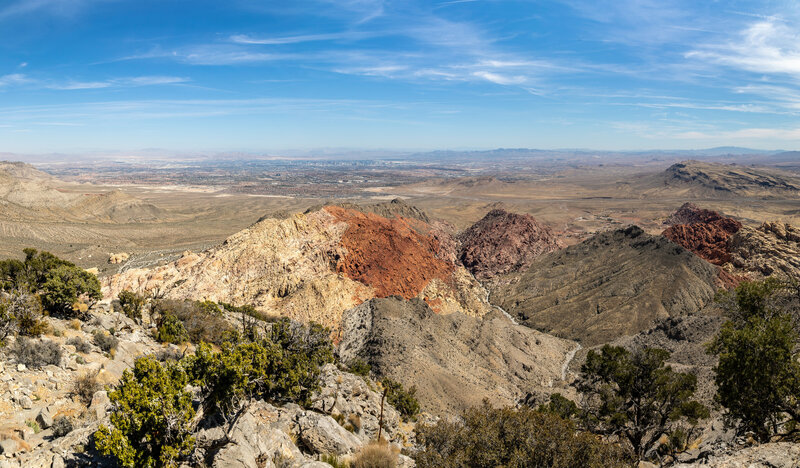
[389, 255]
[689, 213]
[707, 234]
[502, 242]
[708, 240]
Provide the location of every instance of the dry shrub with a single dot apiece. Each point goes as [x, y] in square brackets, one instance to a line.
[37, 354]
[27, 310]
[80, 345]
[105, 341]
[169, 354]
[62, 425]
[375, 455]
[85, 386]
[355, 421]
[75, 324]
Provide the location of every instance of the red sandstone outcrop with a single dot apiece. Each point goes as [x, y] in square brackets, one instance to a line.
[504, 242]
[388, 254]
[704, 232]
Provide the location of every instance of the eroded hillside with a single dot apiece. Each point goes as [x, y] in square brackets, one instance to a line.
[315, 265]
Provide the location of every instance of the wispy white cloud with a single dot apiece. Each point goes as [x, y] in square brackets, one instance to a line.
[640, 22]
[435, 49]
[283, 40]
[750, 134]
[80, 113]
[764, 47]
[73, 85]
[378, 70]
[120, 82]
[18, 79]
[151, 80]
[15, 8]
[211, 54]
[454, 2]
[500, 79]
[13, 79]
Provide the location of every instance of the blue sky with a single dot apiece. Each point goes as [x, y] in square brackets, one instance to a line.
[258, 75]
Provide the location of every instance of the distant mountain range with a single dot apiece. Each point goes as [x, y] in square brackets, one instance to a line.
[386, 154]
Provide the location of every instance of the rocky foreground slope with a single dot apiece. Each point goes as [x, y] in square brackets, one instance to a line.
[264, 435]
[611, 285]
[503, 242]
[455, 361]
[315, 265]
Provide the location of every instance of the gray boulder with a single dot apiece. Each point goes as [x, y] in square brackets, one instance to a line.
[8, 446]
[255, 438]
[44, 418]
[350, 397]
[322, 434]
[100, 404]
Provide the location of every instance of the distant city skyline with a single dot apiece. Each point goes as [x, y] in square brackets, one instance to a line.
[268, 76]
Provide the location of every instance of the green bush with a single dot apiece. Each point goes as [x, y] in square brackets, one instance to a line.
[285, 366]
[33, 425]
[30, 274]
[132, 304]
[561, 406]
[634, 395]
[170, 329]
[521, 438]
[151, 420]
[758, 374]
[201, 321]
[37, 353]
[64, 288]
[404, 401]
[359, 367]
[69, 291]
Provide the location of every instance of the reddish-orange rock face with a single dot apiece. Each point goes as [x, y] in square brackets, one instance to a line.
[709, 240]
[707, 234]
[389, 254]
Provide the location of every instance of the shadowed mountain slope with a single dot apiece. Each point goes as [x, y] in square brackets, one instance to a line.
[455, 361]
[613, 284]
